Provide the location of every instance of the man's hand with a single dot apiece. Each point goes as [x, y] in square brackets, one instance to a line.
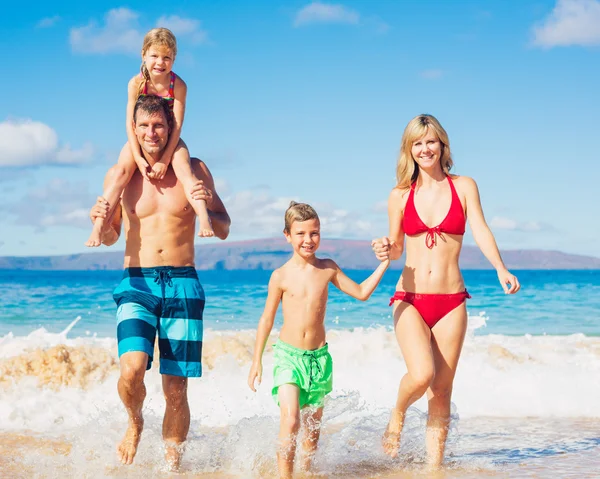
[201, 192]
[143, 166]
[100, 209]
[159, 170]
[255, 375]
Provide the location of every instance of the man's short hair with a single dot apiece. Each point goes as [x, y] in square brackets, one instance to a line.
[152, 104]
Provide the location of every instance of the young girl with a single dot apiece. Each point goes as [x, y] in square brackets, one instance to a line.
[158, 54]
[302, 374]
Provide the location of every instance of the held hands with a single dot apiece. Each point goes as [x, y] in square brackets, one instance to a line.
[255, 375]
[510, 283]
[158, 172]
[381, 248]
[143, 166]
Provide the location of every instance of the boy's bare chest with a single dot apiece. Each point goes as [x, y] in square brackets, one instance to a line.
[309, 289]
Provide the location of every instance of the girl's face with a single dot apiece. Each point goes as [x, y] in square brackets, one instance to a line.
[159, 60]
[427, 150]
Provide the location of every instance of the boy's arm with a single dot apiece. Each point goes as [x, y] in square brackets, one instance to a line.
[136, 151]
[363, 290]
[180, 92]
[265, 325]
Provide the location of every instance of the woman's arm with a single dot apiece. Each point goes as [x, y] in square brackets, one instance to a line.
[483, 235]
[265, 325]
[394, 244]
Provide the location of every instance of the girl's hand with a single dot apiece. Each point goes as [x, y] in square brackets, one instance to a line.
[381, 248]
[159, 170]
[510, 283]
[143, 166]
[255, 374]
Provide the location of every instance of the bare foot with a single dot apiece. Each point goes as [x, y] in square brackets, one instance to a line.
[95, 238]
[206, 233]
[391, 436]
[173, 454]
[127, 448]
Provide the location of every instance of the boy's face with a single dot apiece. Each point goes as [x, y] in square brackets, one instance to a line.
[305, 236]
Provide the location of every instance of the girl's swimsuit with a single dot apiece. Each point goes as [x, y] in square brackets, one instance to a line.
[170, 97]
[433, 307]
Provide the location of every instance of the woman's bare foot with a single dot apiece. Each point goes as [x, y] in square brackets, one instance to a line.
[391, 436]
[127, 448]
[173, 454]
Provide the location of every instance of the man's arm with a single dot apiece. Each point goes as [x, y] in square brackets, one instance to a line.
[205, 190]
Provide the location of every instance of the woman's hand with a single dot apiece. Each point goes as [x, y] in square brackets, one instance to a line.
[510, 283]
[381, 248]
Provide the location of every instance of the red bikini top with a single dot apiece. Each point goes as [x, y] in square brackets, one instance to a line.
[453, 223]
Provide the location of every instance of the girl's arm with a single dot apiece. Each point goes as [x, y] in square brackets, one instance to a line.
[180, 92]
[360, 291]
[265, 325]
[136, 151]
[483, 235]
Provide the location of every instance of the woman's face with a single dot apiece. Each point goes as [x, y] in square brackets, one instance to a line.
[427, 150]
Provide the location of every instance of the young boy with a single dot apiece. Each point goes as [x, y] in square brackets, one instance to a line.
[302, 371]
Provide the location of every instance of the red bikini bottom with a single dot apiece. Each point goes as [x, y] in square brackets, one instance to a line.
[431, 307]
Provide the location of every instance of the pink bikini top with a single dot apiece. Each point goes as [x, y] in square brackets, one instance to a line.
[453, 223]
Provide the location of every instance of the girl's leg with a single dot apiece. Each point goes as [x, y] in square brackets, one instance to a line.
[289, 404]
[414, 338]
[183, 170]
[447, 340]
[116, 181]
[311, 425]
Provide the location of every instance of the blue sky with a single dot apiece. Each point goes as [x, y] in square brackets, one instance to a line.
[307, 101]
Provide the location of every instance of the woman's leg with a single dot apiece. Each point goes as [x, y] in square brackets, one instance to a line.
[414, 338]
[447, 340]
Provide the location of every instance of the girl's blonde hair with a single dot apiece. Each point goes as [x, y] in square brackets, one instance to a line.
[407, 170]
[161, 37]
[298, 212]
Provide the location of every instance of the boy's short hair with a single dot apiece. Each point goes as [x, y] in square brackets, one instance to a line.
[298, 212]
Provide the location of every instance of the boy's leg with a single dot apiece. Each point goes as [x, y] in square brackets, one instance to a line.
[183, 170]
[132, 392]
[176, 423]
[289, 403]
[115, 182]
[311, 424]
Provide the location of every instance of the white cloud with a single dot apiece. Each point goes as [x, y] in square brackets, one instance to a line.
[188, 27]
[432, 74]
[317, 12]
[48, 22]
[502, 223]
[572, 22]
[118, 34]
[257, 213]
[121, 32]
[27, 143]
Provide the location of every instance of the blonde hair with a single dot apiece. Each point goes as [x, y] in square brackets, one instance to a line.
[407, 170]
[298, 212]
[161, 37]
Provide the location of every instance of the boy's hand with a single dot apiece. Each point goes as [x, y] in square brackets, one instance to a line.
[381, 248]
[143, 166]
[255, 374]
[159, 170]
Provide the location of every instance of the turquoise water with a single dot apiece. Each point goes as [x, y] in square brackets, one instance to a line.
[550, 302]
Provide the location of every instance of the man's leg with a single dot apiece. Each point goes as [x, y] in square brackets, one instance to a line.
[176, 423]
[132, 392]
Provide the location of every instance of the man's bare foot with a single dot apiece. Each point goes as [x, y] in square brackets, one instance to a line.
[391, 436]
[173, 455]
[95, 238]
[127, 448]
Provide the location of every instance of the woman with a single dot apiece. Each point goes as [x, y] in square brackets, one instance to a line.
[430, 314]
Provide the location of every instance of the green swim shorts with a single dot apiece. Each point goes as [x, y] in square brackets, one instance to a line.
[311, 371]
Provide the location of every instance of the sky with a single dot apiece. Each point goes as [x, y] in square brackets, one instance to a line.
[308, 101]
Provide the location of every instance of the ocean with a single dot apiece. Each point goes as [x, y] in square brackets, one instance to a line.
[526, 400]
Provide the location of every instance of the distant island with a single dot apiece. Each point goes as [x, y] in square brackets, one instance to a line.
[268, 254]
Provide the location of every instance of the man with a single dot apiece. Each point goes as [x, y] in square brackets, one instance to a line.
[160, 292]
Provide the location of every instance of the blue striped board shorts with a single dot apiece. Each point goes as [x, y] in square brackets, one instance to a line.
[168, 301]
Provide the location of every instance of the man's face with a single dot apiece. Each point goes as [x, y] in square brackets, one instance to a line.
[152, 131]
